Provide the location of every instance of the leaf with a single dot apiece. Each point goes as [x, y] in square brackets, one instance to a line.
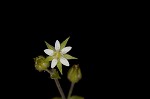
[67, 56]
[49, 58]
[49, 46]
[76, 97]
[57, 98]
[55, 74]
[63, 44]
[59, 66]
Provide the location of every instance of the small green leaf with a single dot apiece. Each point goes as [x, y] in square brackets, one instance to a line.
[59, 66]
[55, 74]
[49, 58]
[63, 44]
[67, 56]
[76, 97]
[49, 46]
[57, 98]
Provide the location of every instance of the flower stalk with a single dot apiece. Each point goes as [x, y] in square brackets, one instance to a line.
[58, 85]
[70, 90]
[59, 88]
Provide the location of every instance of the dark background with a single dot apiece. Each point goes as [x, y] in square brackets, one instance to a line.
[102, 37]
[99, 56]
[101, 45]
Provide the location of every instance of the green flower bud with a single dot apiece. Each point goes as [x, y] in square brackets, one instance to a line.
[40, 63]
[74, 74]
[55, 74]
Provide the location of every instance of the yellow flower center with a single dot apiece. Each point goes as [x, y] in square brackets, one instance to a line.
[57, 55]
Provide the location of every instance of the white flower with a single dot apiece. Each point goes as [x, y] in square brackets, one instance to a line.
[58, 54]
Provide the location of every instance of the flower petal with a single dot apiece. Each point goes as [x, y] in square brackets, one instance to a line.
[49, 52]
[53, 63]
[66, 49]
[57, 45]
[64, 61]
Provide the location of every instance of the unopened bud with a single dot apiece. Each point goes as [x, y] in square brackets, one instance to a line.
[74, 74]
[55, 74]
[40, 63]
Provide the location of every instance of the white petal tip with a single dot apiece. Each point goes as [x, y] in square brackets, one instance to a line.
[49, 52]
[54, 63]
[64, 61]
[57, 45]
[66, 50]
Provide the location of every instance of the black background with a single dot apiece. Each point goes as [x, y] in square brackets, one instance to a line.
[100, 46]
[99, 56]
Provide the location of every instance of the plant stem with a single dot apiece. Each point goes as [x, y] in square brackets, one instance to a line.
[50, 72]
[60, 89]
[58, 85]
[70, 90]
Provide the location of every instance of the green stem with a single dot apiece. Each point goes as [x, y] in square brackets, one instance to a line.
[50, 72]
[70, 90]
[58, 85]
[60, 89]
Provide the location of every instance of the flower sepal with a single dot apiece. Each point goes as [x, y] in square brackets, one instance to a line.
[58, 54]
[55, 74]
[74, 74]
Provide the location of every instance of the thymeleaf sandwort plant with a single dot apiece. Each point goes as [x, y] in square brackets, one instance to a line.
[57, 57]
